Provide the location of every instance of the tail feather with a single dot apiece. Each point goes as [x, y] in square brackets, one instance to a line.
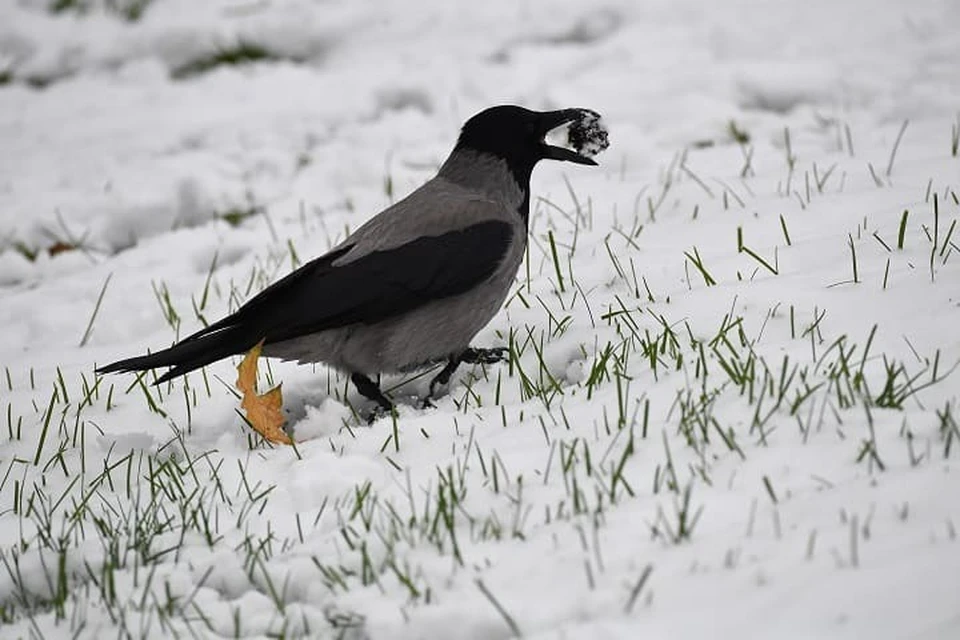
[185, 356]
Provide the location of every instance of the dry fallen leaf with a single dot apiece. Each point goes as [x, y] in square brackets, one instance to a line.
[59, 247]
[263, 411]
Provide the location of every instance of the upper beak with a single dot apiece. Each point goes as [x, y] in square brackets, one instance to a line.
[550, 120]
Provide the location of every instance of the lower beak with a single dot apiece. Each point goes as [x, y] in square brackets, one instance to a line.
[549, 121]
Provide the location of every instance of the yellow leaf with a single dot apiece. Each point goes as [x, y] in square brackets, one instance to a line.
[263, 411]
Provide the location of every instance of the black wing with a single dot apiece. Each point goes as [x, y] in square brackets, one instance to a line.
[320, 295]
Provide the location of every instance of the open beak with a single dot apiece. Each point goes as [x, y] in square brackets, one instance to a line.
[554, 120]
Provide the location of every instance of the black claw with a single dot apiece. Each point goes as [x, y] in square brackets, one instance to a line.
[378, 412]
[475, 355]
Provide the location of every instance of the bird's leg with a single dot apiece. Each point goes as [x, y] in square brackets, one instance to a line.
[470, 356]
[371, 391]
[441, 379]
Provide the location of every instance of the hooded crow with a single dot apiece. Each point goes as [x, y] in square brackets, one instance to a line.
[413, 285]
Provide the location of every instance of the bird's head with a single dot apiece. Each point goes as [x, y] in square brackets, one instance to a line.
[519, 136]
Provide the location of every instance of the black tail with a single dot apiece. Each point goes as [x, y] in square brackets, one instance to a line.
[187, 355]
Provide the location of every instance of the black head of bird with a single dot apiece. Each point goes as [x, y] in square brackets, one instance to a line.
[518, 137]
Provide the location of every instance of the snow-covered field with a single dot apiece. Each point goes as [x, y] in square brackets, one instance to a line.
[731, 409]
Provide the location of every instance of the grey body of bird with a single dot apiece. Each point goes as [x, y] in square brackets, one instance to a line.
[458, 195]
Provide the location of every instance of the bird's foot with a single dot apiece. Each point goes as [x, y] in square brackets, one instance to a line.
[477, 355]
[473, 355]
[378, 412]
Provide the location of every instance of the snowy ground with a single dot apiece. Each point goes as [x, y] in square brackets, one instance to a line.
[731, 408]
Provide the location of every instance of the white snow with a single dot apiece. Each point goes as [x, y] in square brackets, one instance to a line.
[770, 437]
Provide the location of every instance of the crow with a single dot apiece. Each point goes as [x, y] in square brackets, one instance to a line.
[413, 285]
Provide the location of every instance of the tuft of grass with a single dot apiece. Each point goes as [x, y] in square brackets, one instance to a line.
[28, 252]
[507, 618]
[902, 232]
[788, 151]
[955, 137]
[896, 145]
[695, 259]
[243, 52]
[873, 174]
[637, 588]
[738, 135]
[96, 309]
[743, 248]
[128, 10]
[59, 6]
[236, 216]
[853, 257]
